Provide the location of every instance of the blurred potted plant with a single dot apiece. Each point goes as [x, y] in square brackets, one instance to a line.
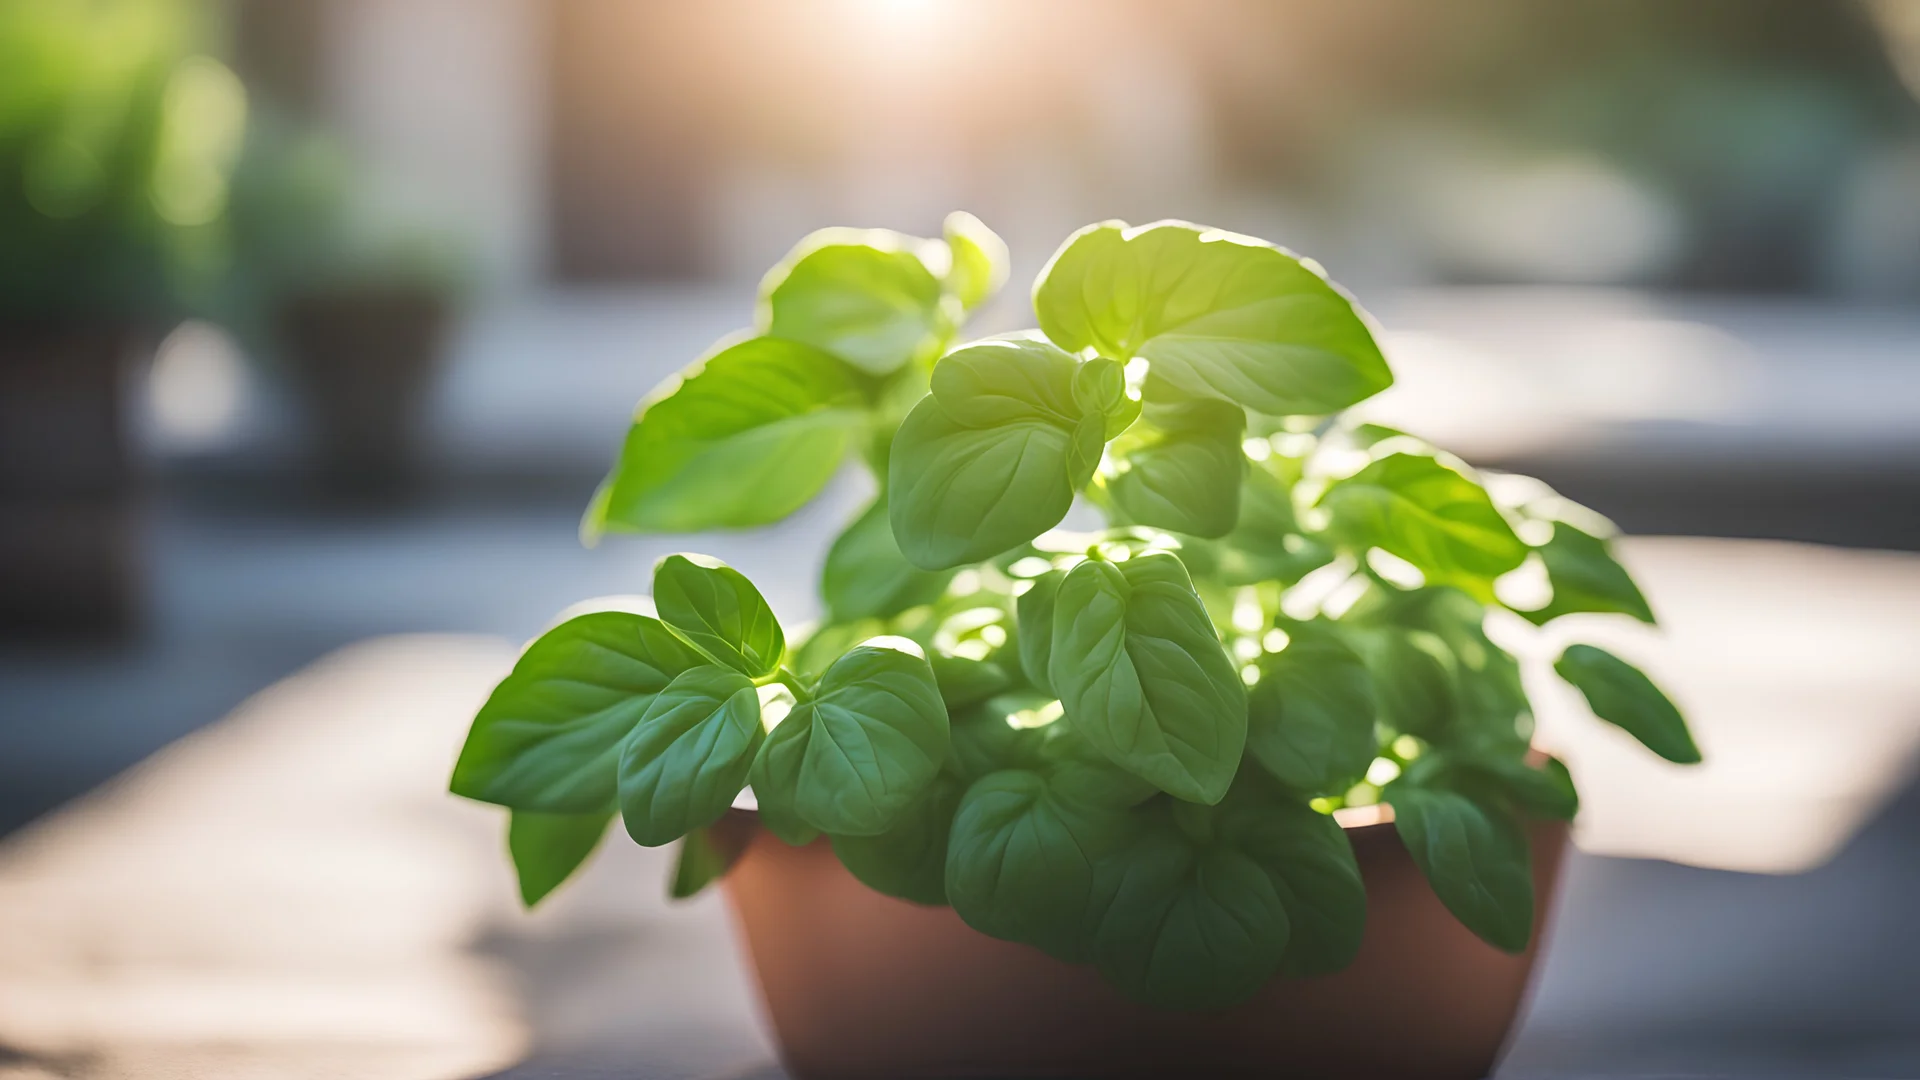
[116, 141]
[354, 308]
[1237, 784]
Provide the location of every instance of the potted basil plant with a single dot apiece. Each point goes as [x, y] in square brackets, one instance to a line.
[1235, 784]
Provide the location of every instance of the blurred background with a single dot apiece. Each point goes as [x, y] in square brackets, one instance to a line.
[320, 319]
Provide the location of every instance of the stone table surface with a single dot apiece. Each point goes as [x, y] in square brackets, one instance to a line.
[288, 892]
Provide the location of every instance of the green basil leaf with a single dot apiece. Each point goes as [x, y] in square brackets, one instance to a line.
[716, 608]
[1412, 678]
[909, 860]
[984, 741]
[853, 757]
[1585, 577]
[1007, 380]
[961, 494]
[1216, 315]
[700, 863]
[1100, 389]
[965, 681]
[548, 848]
[1310, 717]
[1266, 544]
[1143, 677]
[1622, 695]
[1021, 858]
[689, 755]
[1033, 614]
[1311, 863]
[1185, 471]
[864, 296]
[1545, 792]
[742, 438]
[1182, 925]
[1475, 856]
[1428, 514]
[866, 577]
[548, 738]
[1489, 704]
[980, 259]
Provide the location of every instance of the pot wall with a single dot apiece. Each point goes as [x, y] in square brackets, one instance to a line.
[863, 985]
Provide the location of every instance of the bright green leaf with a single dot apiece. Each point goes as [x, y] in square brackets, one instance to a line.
[851, 759]
[1100, 389]
[716, 608]
[743, 438]
[1428, 514]
[909, 860]
[1621, 694]
[865, 575]
[1310, 718]
[1585, 577]
[1476, 858]
[549, 737]
[863, 295]
[1143, 677]
[548, 848]
[1216, 315]
[1266, 543]
[688, 757]
[960, 494]
[980, 259]
[1184, 470]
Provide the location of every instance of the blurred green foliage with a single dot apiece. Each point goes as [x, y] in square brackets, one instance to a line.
[118, 137]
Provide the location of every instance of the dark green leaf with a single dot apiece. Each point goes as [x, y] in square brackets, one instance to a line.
[1183, 925]
[1475, 856]
[866, 576]
[1020, 864]
[689, 755]
[1412, 678]
[979, 259]
[1183, 470]
[699, 864]
[1034, 614]
[964, 681]
[547, 848]
[548, 739]
[1621, 694]
[1311, 862]
[851, 759]
[909, 860]
[1426, 513]
[743, 438]
[1143, 677]
[1585, 577]
[1544, 792]
[1310, 718]
[984, 740]
[716, 608]
[1216, 315]
[864, 296]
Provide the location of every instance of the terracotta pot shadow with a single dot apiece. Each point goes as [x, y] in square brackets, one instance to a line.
[863, 985]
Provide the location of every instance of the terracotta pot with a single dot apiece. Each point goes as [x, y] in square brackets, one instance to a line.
[862, 985]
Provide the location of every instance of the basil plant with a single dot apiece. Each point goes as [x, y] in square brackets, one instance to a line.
[1123, 746]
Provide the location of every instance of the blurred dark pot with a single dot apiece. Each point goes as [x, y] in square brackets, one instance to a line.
[69, 522]
[362, 362]
[862, 985]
